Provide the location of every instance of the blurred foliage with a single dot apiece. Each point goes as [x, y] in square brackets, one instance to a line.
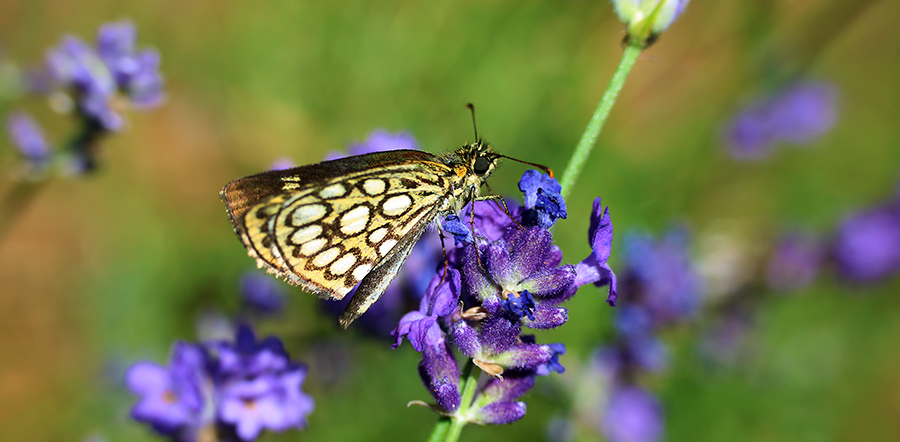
[103, 271]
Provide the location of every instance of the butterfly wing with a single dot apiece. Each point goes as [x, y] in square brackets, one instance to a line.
[327, 226]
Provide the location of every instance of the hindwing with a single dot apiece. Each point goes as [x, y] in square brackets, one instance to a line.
[326, 226]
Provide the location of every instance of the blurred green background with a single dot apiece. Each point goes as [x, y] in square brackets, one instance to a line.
[103, 271]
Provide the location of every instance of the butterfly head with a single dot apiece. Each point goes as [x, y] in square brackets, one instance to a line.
[477, 161]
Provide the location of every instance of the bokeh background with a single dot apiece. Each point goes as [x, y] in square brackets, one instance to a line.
[105, 270]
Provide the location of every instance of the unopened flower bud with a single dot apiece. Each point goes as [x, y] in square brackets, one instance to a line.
[646, 19]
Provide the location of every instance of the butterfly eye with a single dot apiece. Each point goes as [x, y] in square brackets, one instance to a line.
[481, 166]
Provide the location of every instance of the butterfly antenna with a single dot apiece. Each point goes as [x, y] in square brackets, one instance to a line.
[474, 126]
[546, 169]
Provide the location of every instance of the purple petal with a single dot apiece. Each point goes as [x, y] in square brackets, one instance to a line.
[499, 334]
[499, 413]
[406, 327]
[27, 136]
[145, 378]
[591, 270]
[466, 339]
[550, 282]
[441, 298]
[547, 316]
[440, 373]
[600, 233]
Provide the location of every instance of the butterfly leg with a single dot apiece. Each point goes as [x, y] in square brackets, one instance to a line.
[444, 251]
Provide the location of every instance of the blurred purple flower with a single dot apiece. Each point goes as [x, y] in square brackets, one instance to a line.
[76, 65]
[136, 73]
[28, 137]
[262, 293]
[798, 114]
[661, 278]
[727, 341]
[243, 387]
[379, 140]
[795, 262]
[282, 163]
[632, 415]
[96, 74]
[867, 244]
[258, 386]
[173, 399]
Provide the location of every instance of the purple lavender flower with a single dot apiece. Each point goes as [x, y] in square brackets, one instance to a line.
[136, 73]
[78, 66]
[96, 74]
[173, 400]
[798, 114]
[632, 415]
[660, 277]
[867, 244]
[525, 260]
[261, 293]
[258, 386]
[543, 202]
[795, 262]
[28, 137]
[497, 403]
[509, 274]
[241, 387]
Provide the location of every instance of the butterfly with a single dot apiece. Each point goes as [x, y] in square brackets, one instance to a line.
[332, 225]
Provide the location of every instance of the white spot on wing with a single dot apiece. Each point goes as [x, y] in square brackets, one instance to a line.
[354, 221]
[386, 246]
[343, 264]
[313, 246]
[306, 234]
[378, 235]
[373, 186]
[396, 205]
[332, 191]
[308, 213]
[361, 271]
[322, 259]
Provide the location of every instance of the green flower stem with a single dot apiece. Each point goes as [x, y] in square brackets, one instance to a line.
[440, 430]
[459, 419]
[589, 139]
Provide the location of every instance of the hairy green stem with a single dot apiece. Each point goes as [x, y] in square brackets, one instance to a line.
[592, 132]
[460, 418]
[440, 430]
